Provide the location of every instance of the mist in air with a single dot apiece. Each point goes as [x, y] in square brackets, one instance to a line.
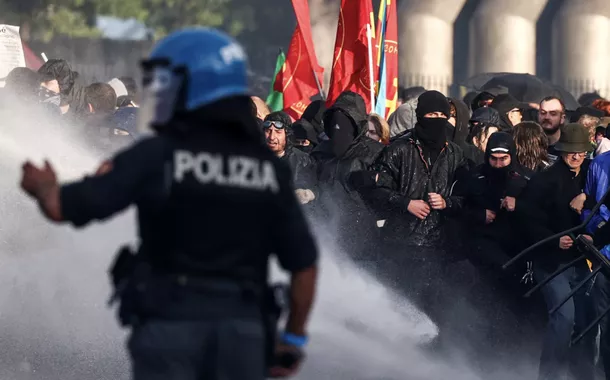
[54, 286]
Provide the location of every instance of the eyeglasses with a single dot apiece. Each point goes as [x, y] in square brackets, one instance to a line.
[275, 124]
[577, 154]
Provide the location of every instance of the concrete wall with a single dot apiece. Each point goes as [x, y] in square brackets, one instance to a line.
[503, 36]
[426, 42]
[581, 41]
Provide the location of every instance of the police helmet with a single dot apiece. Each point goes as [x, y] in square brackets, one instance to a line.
[189, 69]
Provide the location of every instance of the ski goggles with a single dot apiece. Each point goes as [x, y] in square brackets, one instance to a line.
[275, 124]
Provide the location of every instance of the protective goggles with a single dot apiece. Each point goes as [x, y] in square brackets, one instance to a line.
[275, 124]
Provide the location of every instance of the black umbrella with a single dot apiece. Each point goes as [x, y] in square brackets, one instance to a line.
[478, 81]
[524, 87]
[566, 97]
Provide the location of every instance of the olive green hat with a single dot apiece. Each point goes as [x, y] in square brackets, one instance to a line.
[574, 139]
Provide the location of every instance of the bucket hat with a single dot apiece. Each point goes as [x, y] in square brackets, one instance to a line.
[574, 138]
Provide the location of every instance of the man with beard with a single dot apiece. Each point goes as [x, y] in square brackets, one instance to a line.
[412, 190]
[551, 116]
[277, 129]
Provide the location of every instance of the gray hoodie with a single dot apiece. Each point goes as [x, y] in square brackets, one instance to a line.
[403, 118]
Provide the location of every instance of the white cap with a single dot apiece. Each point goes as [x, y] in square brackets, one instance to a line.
[119, 87]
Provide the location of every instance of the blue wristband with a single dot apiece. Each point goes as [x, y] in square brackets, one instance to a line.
[294, 340]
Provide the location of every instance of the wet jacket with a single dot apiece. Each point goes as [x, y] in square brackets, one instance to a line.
[544, 210]
[302, 167]
[404, 175]
[484, 191]
[339, 199]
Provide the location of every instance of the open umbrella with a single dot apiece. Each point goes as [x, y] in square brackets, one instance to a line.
[524, 87]
[566, 97]
[478, 81]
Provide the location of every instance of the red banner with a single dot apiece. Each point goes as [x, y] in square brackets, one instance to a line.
[350, 70]
[297, 80]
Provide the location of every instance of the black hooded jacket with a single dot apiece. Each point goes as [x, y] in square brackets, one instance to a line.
[339, 199]
[405, 175]
[486, 188]
[350, 111]
[459, 133]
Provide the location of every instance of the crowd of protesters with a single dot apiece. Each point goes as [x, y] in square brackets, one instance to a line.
[443, 186]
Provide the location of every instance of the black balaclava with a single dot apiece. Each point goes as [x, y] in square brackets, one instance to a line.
[432, 132]
[500, 142]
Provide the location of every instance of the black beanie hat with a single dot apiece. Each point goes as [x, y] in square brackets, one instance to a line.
[432, 101]
[500, 142]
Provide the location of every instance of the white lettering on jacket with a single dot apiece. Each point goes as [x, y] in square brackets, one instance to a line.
[232, 171]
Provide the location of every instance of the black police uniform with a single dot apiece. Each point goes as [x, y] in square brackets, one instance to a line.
[211, 209]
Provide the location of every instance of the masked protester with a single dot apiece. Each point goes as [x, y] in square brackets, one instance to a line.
[487, 222]
[490, 201]
[277, 129]
[412, 191]
[347, 153]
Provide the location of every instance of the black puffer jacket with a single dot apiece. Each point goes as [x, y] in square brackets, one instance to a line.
[404, 175]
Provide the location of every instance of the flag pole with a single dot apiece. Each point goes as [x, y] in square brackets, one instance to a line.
[371, 75]
[315, 75]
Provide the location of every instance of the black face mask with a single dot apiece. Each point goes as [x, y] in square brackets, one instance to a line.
[342, 138]
[432, 132]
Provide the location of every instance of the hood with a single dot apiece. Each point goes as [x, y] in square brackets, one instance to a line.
[404, 118]
[354, 107]
[461, 130]
[314, 114]
[304, 130]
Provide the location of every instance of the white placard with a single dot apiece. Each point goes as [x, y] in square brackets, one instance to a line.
[11, 50]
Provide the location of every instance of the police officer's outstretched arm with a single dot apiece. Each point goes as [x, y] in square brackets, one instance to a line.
[116, 185]
[297, 253]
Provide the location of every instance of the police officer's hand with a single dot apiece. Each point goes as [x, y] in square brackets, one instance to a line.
[278, 371]
[34, 180]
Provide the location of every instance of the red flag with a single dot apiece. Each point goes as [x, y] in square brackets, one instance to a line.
[351, 59]
[32, 61]
[297, 80]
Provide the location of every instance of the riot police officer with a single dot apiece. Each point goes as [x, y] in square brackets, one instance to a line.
[213, 203]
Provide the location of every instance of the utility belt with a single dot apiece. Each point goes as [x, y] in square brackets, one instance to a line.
[144, 295]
